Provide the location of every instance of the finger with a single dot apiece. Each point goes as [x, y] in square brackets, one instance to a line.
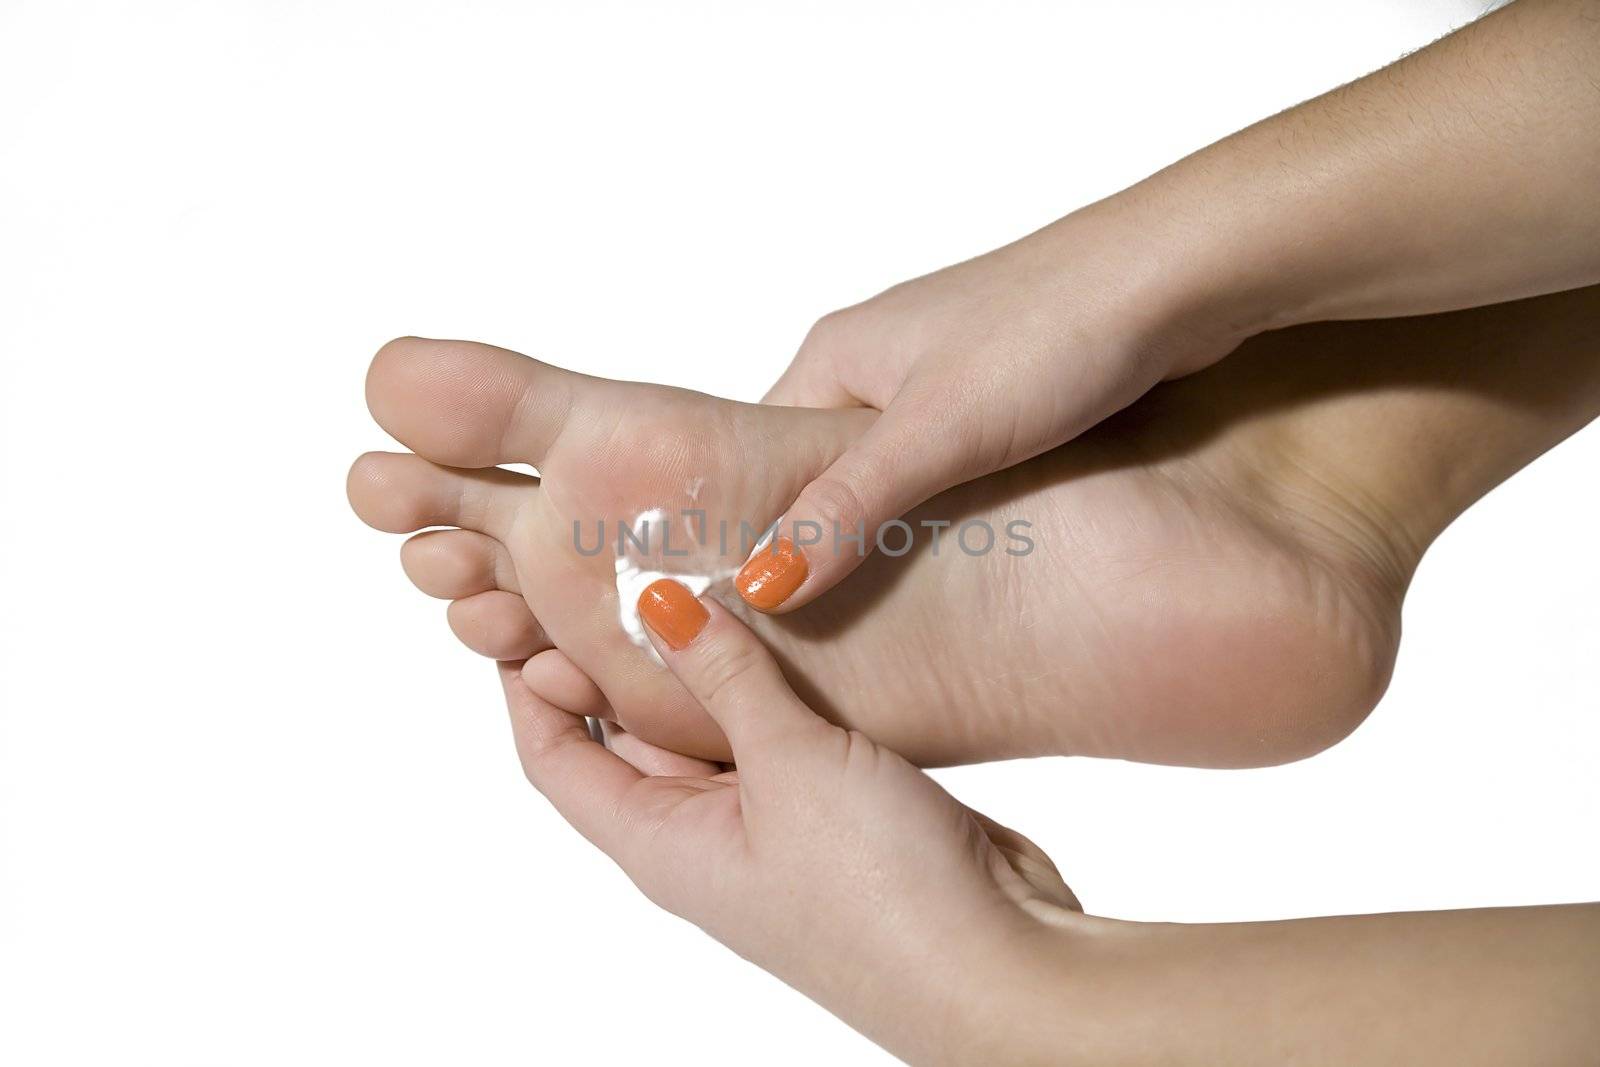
[591, 787]
[841, 517]
[1030, 862]
[654, 760]
[729, 672]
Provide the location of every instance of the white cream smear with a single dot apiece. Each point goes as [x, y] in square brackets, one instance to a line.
[643, 559]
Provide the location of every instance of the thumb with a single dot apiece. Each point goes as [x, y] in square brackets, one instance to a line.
[729, 672]
[840, 517]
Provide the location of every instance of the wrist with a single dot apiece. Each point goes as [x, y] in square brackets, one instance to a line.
[1231, 242]
[1050, 991]
[1087, 990]
[1162, 274]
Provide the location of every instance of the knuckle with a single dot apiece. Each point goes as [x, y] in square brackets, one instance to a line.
[536, 754]
[727, 671]
[828, 333]
[836, 501]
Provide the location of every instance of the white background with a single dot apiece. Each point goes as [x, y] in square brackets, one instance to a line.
[258, 806]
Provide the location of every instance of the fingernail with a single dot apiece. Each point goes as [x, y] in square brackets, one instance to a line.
[771, 575]
[669, 609]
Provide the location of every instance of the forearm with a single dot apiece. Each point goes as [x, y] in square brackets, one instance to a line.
[1492, 986]
[1465, 174]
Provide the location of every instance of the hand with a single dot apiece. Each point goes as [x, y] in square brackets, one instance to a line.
[831, 862]
[978, 367]
[1377, 199]
[823, 858]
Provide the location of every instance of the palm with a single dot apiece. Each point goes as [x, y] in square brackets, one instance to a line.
[700, 817]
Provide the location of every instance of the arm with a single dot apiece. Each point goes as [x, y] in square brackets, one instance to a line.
[836, 865]
[1465, 174]
[1489, 986]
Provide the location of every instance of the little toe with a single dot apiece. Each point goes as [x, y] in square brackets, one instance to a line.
[453, 564]
[497, 624]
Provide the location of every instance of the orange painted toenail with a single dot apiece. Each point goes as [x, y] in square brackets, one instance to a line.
[772, 575]
[669, 609]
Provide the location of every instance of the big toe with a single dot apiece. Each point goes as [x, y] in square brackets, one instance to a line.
[464, 404]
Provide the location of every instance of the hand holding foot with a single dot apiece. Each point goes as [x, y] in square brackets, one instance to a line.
[1267, 644]
[1218, 573]
[976, 368]
[1374, 200]
[828, 860]
[820, 847]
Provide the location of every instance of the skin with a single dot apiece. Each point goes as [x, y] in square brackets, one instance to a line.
[949, 939]
[1097, 672]
[1388, 427]
[1219, 574]
[1377, 199]
[1351, 206]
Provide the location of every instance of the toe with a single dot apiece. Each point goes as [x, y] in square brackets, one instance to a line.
[470, 405]
[497, 624]
[555, 679]
[452, 564]
[400, 493]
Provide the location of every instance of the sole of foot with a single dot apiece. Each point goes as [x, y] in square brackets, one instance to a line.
[1198, 592]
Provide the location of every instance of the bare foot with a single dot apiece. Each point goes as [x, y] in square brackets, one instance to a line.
[1216, 578]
